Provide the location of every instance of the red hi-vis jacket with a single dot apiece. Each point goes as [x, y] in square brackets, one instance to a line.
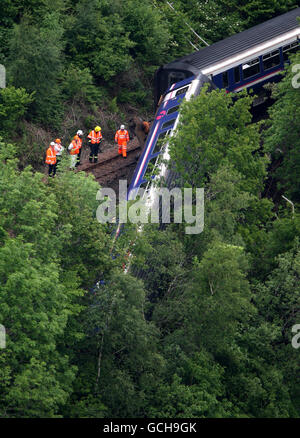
[95, 136]
[122, 137]
[77, 143]
[50, 156]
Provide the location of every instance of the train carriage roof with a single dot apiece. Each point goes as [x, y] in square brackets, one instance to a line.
[242, 41]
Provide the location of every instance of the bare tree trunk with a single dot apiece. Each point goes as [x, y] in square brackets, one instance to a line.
[99, 363]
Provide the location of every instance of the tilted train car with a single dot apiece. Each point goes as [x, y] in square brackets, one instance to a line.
[245, 60]
[165, 122]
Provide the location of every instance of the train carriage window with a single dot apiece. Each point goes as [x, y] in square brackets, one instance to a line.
[271, 59]
[237, 75]
[225, 79]
[168, 123]
[288, 49]
[160, 143]
[144, 185]
[175, 76]
[151, 169]
[251, 68]
[172, 110]
[182, 90]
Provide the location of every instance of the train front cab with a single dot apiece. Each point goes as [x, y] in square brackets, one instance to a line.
[164, 122]
[174, 73]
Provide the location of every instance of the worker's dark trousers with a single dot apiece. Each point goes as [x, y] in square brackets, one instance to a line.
[52, 170]
[94, 152]
[78, 158]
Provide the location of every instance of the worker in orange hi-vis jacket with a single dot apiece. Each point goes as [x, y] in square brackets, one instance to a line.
[79, 140]
[51, 159]
[95, 138]
[58, 150]
[121, 138]
[146, 127]
[74, 148]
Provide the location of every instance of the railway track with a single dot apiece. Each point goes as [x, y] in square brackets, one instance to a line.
[111, 166]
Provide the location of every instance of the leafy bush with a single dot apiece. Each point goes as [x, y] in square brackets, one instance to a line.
[78, 85]
[35, 63]
[13, 105]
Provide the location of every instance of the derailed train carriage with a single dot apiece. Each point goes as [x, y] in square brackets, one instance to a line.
[246, 60]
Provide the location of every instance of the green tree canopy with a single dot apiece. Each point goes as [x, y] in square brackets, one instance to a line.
[215, 129]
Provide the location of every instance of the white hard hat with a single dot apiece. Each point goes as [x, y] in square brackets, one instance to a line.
[79, 132]
[122, 127]
[52, 143]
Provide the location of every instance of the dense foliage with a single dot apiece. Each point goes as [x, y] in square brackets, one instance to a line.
[201, 325]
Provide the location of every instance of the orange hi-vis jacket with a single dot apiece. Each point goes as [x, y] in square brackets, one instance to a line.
[146, 127]
[122, 137]
[50, 156]
[95, 136]
[77, 143]
[79, 140]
